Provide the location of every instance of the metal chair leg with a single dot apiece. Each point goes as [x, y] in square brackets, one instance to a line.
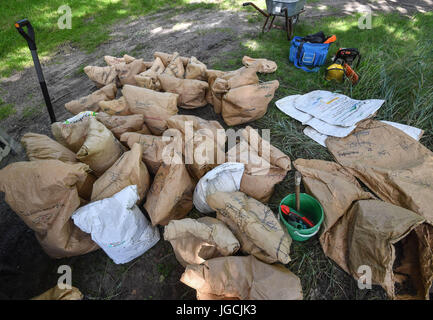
[272, 23]
[264, 26]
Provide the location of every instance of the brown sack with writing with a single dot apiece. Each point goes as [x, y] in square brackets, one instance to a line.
[153, 147]
[242, 278]
[127, 170]
[42, 147]
[235, 79]
[149, 78]
[170, 196]
[265, 165]
[117, 107]
[100, 148]
[121, 124]
[111, 61]
[247, 103]
[212, 97]
[156, 107]
[397, 244]
[56, 293]
[255, 220]
[101, 76]
[337, 190]
[196, 69]
[396, 167]
[44, 195]
[203, 143]
[127, 72]
[166, 58]
[175, 68]
[247, 245]
[71, 135]
[192, 93]
[261, 65]
[91, 102]
[196, 240]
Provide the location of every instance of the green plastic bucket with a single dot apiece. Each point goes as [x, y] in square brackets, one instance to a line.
[310, 208]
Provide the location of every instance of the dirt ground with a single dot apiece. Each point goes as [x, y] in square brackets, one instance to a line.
[25, 270]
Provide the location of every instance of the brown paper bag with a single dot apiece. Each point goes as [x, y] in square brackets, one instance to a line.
[100, 148]
[117, 107]
[91, 102]
[204, 149]
[244, 278]
[196, 70]
[336, 190]
[195, 241]
[175, 68]
[44, 195]
[127, 170]
[247, 103]
[56, 293]
[111, 61]
[255, 220]
[266, 150]
[153, 147]
[179, 122]
[247, 245]
[265, 165]
[396, 167]
[121, 124]
[212, 97]
[170, 196]
[238, 78]
[85, 187]
[261, 65]
[144, 130]
[41, 147]
[101, 76]
[192, 93]
[166, 58]
[374, 230]
[71, 135]
[149, 78]
[156, 107]
[127, 72]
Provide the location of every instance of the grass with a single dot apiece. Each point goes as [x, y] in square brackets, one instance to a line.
[6, 110]
[90, 20]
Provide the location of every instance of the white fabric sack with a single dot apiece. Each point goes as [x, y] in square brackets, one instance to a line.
[118, 226]
[225, 178]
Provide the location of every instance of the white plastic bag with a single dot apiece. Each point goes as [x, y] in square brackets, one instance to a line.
[225, 178]
[118, 226]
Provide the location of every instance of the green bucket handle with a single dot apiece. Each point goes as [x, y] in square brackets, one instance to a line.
[306, 236]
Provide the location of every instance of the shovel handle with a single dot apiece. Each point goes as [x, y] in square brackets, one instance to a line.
[298, 178]
[29, 36]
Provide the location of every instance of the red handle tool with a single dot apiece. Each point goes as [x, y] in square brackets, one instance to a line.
[287, 211]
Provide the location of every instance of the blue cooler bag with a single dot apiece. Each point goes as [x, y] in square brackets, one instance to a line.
[308, 56]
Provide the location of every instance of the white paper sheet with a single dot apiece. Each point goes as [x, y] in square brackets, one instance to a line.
[337, 109]
[288, 106]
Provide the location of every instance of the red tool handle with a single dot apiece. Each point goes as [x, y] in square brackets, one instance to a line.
[286, 210]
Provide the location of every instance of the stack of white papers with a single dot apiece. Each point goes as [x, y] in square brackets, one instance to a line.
[333, 114]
